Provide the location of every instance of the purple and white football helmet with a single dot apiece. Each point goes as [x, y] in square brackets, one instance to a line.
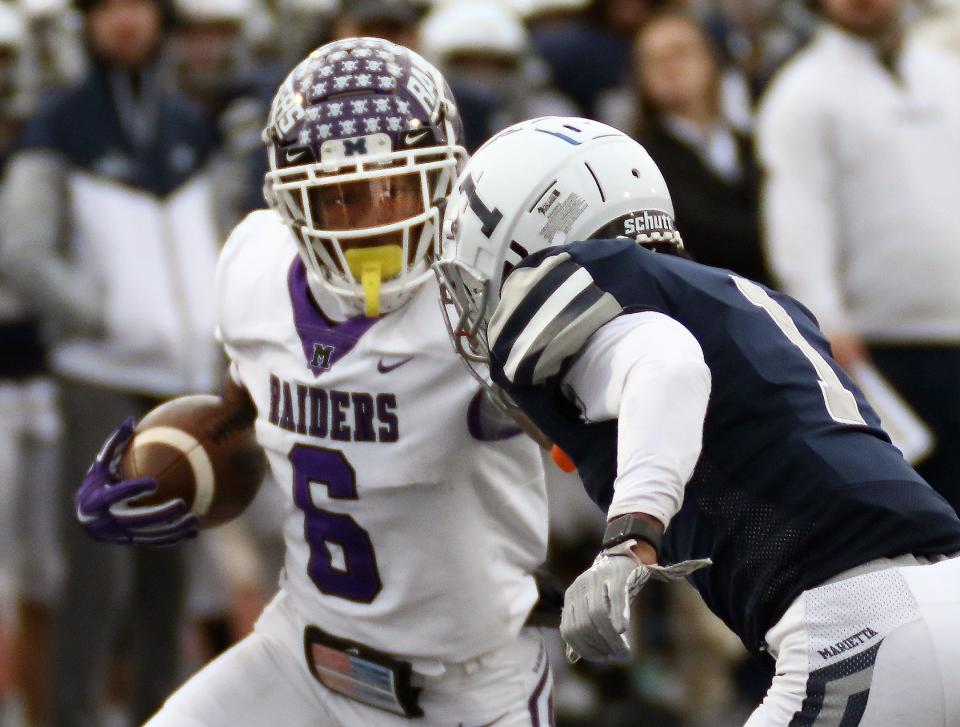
[364, 146]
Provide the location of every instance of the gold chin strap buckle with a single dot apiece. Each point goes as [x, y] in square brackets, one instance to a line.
[371, 266]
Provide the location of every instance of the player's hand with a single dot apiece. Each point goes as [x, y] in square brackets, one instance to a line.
[596, 608]
[848, 349]
[107, 507]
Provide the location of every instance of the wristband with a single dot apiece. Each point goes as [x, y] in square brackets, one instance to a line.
[630, 527]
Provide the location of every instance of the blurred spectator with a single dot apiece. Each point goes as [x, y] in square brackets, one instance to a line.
[212, 62]
[587, 44]
[108, 233]
[209, 50]
[860, 137]
[30, 563]
[482, 48]
[393, 20]
[707, 162]
[298, 27]
[55, 53]
[758, 36]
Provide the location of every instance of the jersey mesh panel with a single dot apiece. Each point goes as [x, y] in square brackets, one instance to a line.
[757, 537]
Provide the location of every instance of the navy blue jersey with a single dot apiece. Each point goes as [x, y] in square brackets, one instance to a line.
[796, 480]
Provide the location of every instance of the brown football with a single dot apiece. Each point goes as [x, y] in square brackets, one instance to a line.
[202, 449]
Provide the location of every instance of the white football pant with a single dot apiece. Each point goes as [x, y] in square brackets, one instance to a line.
[881, 649]
[264, 681]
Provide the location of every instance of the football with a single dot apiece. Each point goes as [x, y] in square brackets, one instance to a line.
[202, 449]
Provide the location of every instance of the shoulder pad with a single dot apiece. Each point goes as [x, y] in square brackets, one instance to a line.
[252, 274]
[545, 316]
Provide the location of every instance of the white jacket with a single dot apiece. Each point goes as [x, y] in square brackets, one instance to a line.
[862, 198]
[129, 302]
[154, 259]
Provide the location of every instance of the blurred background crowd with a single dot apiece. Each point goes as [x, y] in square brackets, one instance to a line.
[836, 178]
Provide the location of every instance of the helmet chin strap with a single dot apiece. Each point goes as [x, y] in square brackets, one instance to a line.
[371, 266]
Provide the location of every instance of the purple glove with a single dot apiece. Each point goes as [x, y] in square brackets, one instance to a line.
[107, 506]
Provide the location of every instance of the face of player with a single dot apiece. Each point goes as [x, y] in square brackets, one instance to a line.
[368, 203]
[125, 33]
[676, 68]
[866, 18]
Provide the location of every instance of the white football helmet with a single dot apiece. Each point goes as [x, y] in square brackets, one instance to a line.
[364, 143]
[540, 183]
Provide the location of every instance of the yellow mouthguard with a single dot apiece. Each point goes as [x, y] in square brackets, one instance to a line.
[373, 265]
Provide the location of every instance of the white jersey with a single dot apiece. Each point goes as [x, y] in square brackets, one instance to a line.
[407, 528]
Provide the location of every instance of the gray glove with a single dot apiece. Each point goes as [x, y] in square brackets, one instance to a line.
[596, 608]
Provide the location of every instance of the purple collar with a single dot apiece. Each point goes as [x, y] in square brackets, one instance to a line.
[324, 342]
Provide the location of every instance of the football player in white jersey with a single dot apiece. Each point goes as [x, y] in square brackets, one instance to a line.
[414, 515]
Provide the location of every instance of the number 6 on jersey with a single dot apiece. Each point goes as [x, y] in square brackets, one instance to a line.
[358, 579]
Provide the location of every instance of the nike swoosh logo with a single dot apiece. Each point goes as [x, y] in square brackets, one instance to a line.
[292, 156]
[387, 368]
[414, 136]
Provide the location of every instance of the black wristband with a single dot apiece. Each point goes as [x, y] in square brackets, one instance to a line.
[630, 527]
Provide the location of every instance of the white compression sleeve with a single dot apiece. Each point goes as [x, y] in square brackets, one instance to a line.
[648, 371]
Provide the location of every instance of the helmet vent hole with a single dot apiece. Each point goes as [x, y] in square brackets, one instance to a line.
[635, 173]
[572, 128]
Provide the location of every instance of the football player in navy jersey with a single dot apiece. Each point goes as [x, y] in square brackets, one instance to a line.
[705, 415]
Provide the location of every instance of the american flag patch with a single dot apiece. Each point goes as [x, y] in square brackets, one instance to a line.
[358, 678]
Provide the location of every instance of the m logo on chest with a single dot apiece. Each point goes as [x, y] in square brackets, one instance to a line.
[321, 356]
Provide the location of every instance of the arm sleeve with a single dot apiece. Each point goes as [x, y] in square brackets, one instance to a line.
[799, 200]
[647, 371]
[32, 203]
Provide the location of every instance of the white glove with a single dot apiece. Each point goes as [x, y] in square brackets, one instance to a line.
[596, 607]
